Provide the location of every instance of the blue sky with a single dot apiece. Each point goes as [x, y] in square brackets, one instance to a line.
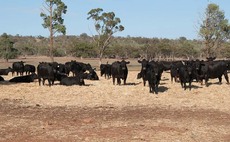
[141, 18]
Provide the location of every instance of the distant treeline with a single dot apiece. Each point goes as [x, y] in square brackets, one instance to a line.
[122, 47]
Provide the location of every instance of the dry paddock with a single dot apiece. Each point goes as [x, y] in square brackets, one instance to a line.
[101, 111]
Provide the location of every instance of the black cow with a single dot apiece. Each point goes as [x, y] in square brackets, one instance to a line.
[73, 80]
[61, 68]
[152, 80]
[105, 70]
[29, 69]
[24, 79]
[166, 65]
[154, 73]
[76, 67]
[1, 78]
[142, 74]
[174, 73]
[228, 64]
[119, 70]
[92, 75]
[59, 76]
[5, 71]
[174, 70]
[18, 67]
[214, 69]
[185, 76]
[67, 68]
[46, 71]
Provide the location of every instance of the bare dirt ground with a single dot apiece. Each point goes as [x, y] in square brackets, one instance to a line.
[101, 111]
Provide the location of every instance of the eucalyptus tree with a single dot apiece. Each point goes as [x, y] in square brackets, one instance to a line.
[214, 29]
[52, 16]
[106, 24]
[6, 47]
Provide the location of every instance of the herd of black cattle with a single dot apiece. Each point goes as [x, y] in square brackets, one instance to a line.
[184, 72]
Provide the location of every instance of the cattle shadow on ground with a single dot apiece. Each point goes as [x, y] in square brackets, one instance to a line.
[133, 83]
[215, 83]
[58, 84]
[162, 89]
[6, 83]
[195, 87]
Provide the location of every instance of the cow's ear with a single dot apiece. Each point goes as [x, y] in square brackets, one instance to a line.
[127, 62]
[139, 61]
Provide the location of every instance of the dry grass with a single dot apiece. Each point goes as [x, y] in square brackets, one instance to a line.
[103, 93]
[101, 111]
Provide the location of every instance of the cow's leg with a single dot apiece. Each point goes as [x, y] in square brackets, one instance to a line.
[190, 85]
[153, 89]
[226, 76]
[113, 80]
[150, 88]
[181, 84]
[220, 79]
[201, 81]
[206, 81]
[52, 81]
[156, 88]
[39, 81]
[43, 81]
[175, 79]
[118, 81]
[185, 87]
[49, 81]
[125, 81]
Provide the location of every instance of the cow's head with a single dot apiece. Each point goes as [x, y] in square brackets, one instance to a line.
[189, 69]
[144, 64]
[123, 64]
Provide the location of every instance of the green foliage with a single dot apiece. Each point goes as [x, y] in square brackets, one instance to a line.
[28, 50]
[186, 49]
[225, 51]
[59, 52]
[129, 47]
[214, 29]
[7, 51]
[84, 49]
[53, 20]
[54, 9]
[106, 24]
